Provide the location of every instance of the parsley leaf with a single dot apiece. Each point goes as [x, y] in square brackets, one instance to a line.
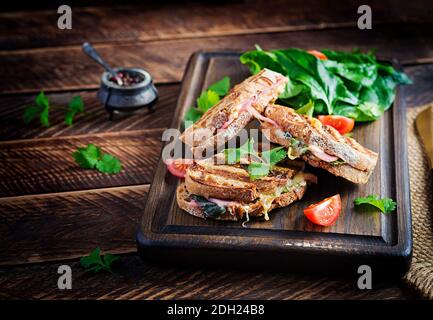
[91, 157]
[41, 107]
[109, 164]
[258, 170]
[274, 156]
[207, 100]
[270, 158]
[42, 100]
[95, 263]
[386, 205]
[221, 87]
[76, 105]
[87, 157]
[234, 155]
[30, 113]
[192, 115]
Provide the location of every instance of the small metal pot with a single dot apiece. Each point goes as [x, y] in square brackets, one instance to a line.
[117, 99]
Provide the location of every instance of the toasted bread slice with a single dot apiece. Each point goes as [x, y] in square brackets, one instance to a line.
[224, 120]
[356, 162]
[237, 211]
[230, 182]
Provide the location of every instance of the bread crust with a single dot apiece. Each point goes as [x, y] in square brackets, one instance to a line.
[238, 214]
[224, 120]
[311, 131]
[305, 131]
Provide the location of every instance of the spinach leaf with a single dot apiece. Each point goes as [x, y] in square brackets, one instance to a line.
[210, 209]
[352, 84]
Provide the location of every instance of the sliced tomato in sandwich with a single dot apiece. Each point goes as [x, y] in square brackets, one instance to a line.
[341, 124]
[324, 213]
[178, 167]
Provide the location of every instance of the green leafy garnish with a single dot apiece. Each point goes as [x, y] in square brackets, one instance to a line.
[41, 108]
[94, 262]
[192, 115]
[337, 162]
[221, 87]
[269, 158]
[274, 155]
[307, 109]
[386, 205]
[91, 157]
[234, 155]
[210, 209]
[351, 84]
[258, 170]
[75, 106]
[207, 99]
[260, 166]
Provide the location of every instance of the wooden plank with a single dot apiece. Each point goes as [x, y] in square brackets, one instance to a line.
[68, 225]
[95, 120]
[134, 280]
[144, 22]
[67, 68]
[45, 165]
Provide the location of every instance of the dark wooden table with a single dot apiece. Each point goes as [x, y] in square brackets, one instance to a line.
[52, 212]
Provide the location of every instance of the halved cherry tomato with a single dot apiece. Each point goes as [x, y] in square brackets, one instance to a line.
[341, 124]
[178, 167]
[318, 54]
[325, 212]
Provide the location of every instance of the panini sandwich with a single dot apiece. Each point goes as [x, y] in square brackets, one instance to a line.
[226, 192]
[244, 102]
[317, 144]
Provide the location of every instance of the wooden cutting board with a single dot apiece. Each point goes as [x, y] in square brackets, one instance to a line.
[288, 241]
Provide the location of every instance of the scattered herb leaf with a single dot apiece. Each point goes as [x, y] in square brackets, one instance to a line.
[91, 157]
[76, 105]
[386, 205]
[208, 98]
[41, 108]
[221, 87]
[94, 262]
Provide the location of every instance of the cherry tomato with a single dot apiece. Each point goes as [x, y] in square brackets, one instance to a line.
[341, 124]
[178, 167]
[318, 54]
[325, 212]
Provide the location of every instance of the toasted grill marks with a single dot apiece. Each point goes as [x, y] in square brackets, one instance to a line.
[231, 182]
[312, 132]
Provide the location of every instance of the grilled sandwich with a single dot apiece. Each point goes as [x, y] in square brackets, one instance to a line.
[244, 102]
[226, 192]
[317, 144]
